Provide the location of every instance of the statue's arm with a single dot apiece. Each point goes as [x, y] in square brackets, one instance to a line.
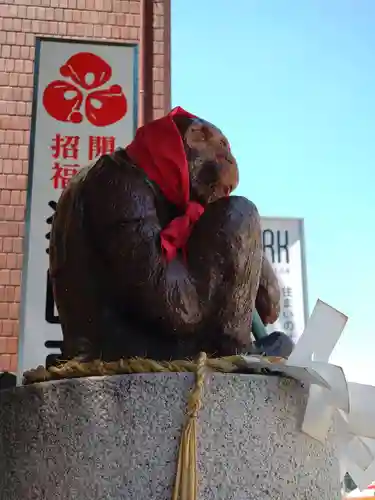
[120, 211]
[268, 297]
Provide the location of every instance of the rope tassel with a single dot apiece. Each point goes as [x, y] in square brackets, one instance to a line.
[186, 483]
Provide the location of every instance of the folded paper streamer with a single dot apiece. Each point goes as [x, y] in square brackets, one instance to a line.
[330, 395]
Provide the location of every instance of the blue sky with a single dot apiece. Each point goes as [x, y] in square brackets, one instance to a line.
[292, 84]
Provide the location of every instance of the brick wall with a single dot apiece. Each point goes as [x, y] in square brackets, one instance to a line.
[20, 21]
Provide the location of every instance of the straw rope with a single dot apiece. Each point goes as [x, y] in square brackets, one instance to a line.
[186, 483]
[186, 480]
[98, 368]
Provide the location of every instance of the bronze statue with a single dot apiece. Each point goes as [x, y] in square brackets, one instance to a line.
[150, 256]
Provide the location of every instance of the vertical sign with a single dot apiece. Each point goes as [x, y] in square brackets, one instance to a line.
[85, 105]
[284, 246]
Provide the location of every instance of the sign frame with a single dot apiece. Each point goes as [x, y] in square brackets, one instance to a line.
[31, 158]
[301, 226]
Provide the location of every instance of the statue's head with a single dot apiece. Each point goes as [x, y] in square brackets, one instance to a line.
[212, 167]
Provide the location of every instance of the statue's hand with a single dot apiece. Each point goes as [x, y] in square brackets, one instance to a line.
[267, 308]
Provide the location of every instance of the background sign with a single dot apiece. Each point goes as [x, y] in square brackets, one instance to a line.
[85, 105]
[284, 245]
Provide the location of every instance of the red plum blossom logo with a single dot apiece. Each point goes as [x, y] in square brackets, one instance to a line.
[64, 100]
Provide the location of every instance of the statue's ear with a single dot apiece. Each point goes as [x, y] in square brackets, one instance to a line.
[182, 123]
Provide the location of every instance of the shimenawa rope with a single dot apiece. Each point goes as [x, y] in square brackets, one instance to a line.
[98, 368]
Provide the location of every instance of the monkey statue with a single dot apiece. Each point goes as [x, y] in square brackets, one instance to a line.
[151, 255]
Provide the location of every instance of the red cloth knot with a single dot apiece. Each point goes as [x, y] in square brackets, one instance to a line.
[158, 150]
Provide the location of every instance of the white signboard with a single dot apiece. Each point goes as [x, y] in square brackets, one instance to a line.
[284, 245]
[85, 105]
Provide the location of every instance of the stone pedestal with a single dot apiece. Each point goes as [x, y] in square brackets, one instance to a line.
[117, 438]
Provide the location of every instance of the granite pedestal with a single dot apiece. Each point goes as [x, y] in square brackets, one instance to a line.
[117, 438]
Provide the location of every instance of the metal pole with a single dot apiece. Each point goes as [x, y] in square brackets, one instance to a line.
[146, 56]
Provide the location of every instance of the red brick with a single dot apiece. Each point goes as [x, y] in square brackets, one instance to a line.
[41, 13]
[14, 310]
[11, 261]
[19, 65]
[9, 293]
[19, 266]
[16, 167]
[11, 37]
[68, 15]
[13, 153]
[25, 167]
[5, 362]
[6, 51]
[4, 310]
[29, 66]
[4, 78]
[7, 327]
[13, 363]
[29, 38]
[17, 26]
[8, 24]
[17, 293]
[158, 113]
[4, 276]
[62, 28]
[9, 65]
[7, 244]
[9, 213]
[5, 196]
[50, 14]
[11, 345]
[15, 328]
[89, 30]
[4, 9]
[20, 39]
[107, 31]
[21, 232]
[22, 11]
[3, 343]
[158, 88]
[134, 7]
[17, 244]
[31, 13]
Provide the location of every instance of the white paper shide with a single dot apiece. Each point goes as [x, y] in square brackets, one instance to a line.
[330, 395]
